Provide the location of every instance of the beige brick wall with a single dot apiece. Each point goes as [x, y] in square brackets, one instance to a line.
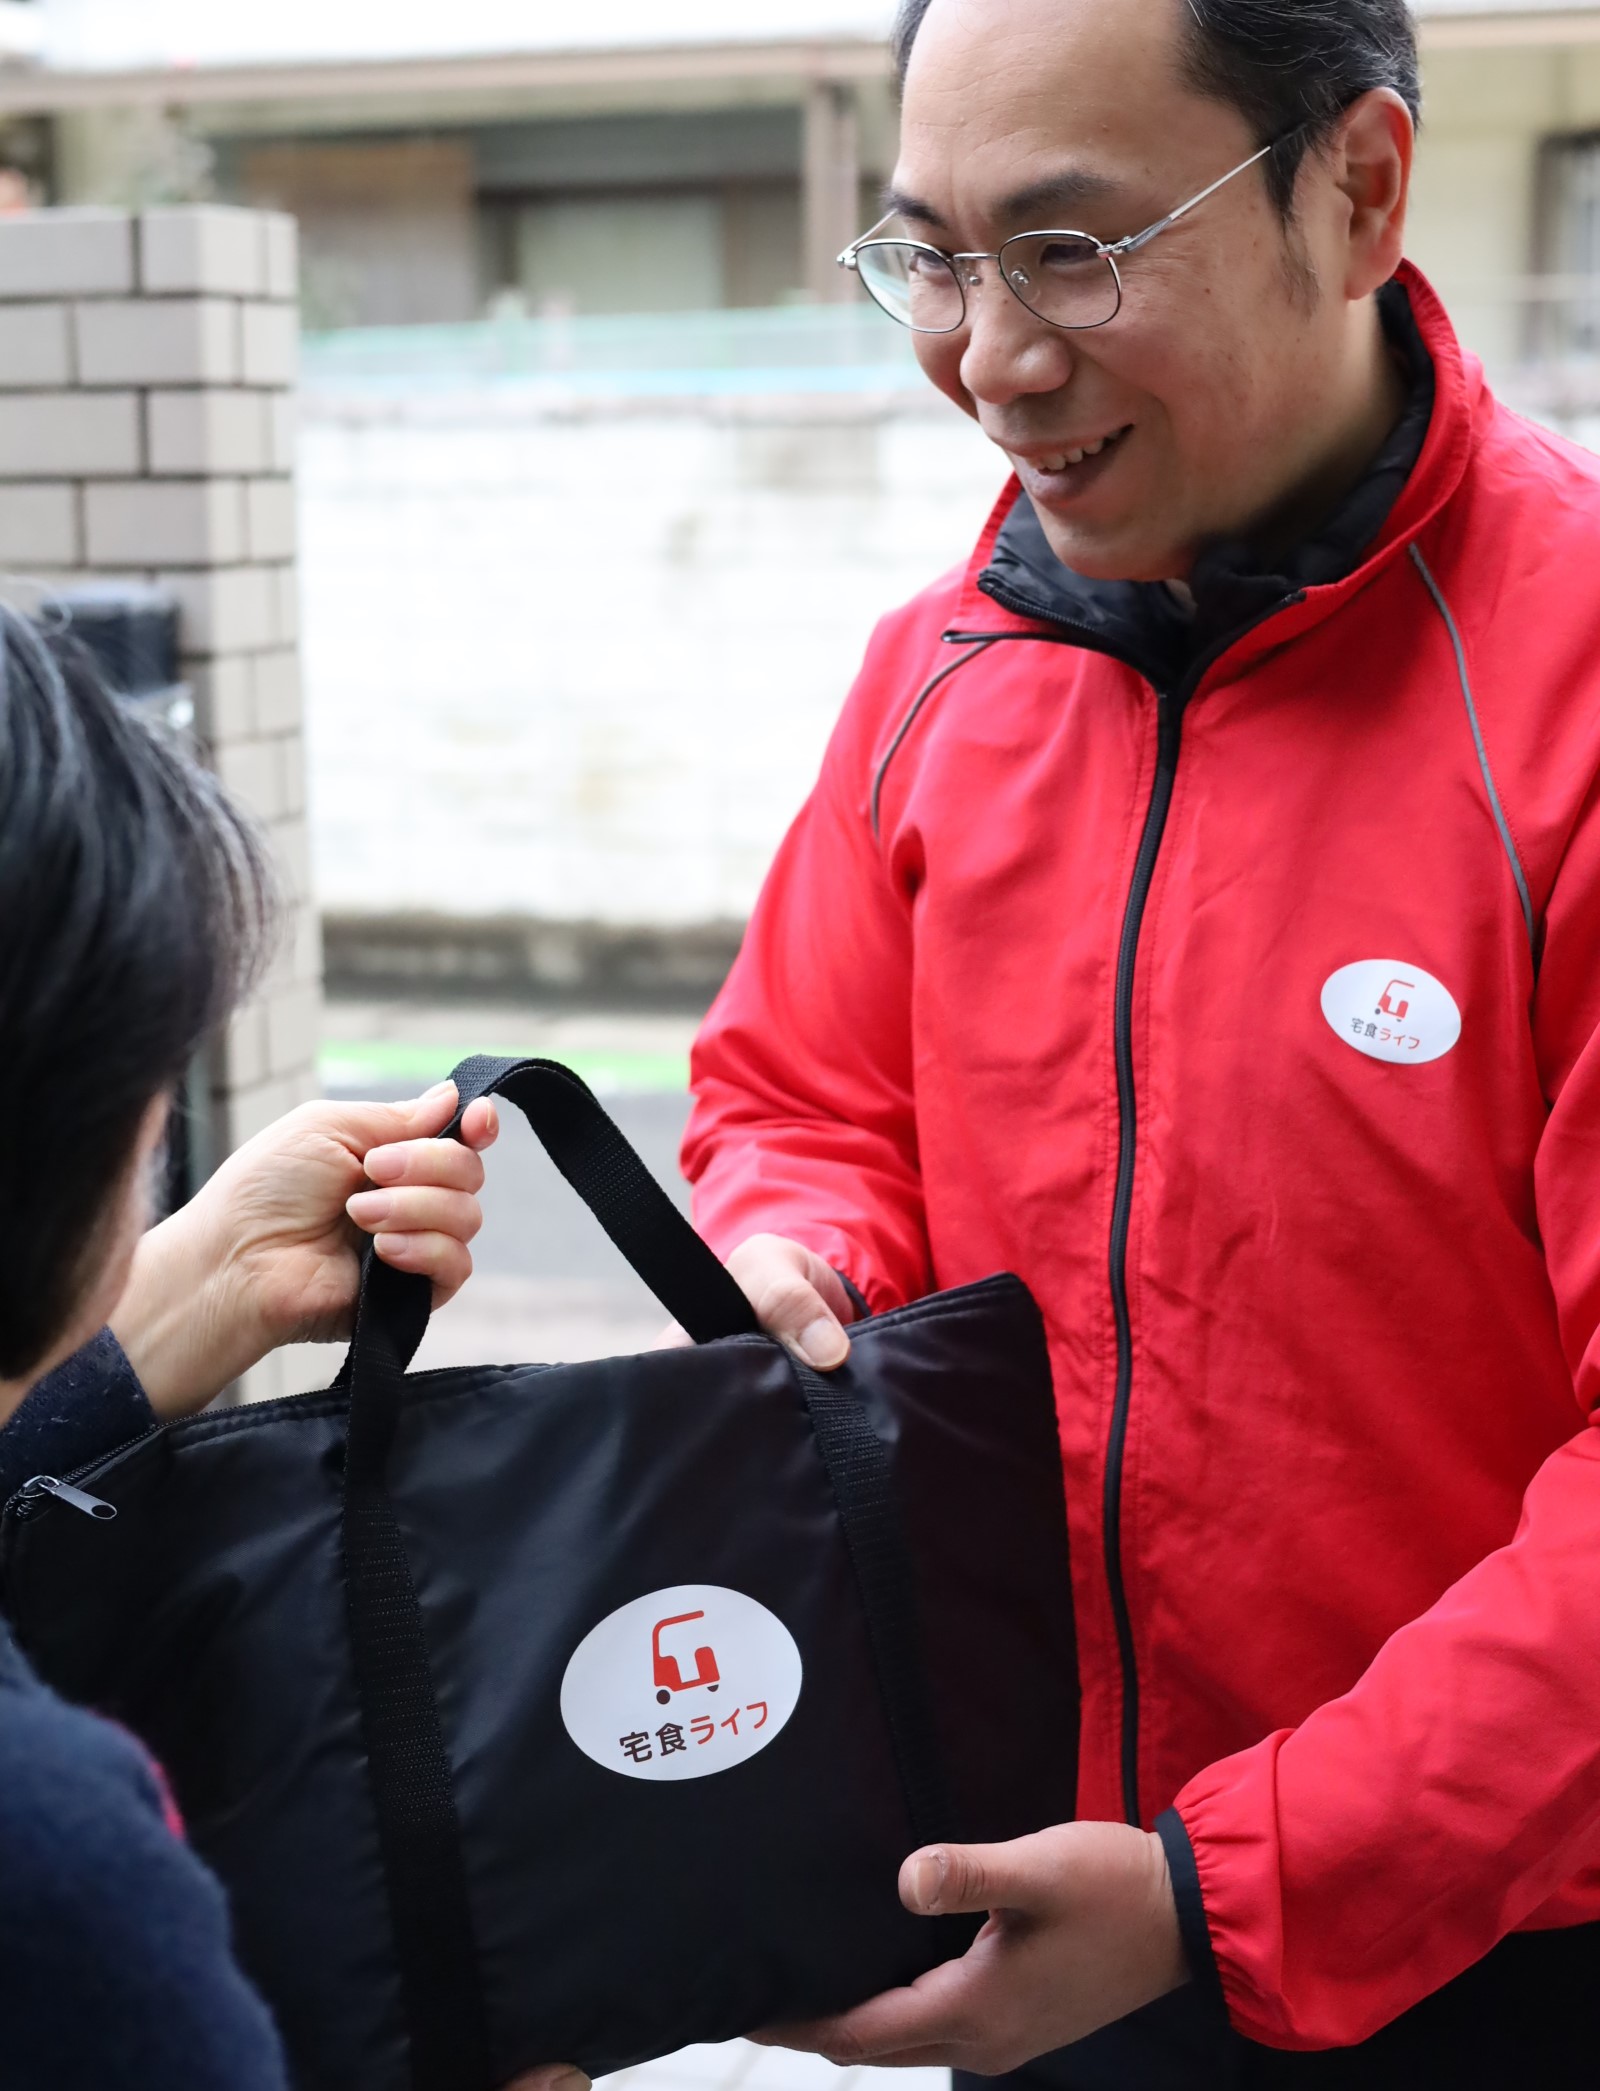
[147, 430]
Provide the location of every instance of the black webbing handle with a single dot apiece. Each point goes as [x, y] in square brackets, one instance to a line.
[595, 1157]
[857, 1463]
[418, 1828]
[419, 1832]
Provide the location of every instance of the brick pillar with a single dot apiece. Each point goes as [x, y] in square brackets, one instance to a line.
[147, 374]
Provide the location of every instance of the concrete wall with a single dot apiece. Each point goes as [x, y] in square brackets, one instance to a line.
[579, 666]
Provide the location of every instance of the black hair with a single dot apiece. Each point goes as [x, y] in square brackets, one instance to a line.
[136, 905]
[1291, 67]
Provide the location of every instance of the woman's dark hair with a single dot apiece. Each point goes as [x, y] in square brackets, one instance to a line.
[135, 909]
[1292, 67]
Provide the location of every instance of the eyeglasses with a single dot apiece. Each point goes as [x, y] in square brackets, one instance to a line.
[1067, 279]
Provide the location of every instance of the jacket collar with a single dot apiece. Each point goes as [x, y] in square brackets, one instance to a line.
[1015, 583]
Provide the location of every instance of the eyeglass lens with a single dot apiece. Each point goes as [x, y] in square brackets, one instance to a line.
[1063, 277]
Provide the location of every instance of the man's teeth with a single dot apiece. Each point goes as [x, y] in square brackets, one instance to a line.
[1062, 458]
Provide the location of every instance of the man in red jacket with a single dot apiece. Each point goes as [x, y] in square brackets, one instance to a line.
[1199, 915]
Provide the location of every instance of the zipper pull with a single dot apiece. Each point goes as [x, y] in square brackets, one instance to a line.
[63, 1491]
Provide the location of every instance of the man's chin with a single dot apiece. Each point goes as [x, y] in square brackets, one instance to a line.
[1129, 554]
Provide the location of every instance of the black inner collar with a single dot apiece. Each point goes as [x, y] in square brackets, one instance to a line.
[1232, 585]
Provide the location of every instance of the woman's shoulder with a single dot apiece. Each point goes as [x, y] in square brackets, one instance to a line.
[68, 1782]
[99, 1897]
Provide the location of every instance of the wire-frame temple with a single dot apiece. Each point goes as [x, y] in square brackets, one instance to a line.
[1136, 240]
[848, 256]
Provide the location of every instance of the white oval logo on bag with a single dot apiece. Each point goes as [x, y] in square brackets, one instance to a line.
[681, 1684]
[1392, 1011]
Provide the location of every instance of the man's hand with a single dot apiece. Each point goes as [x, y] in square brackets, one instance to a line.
[1082, 1930]
[797, 1297]
[269, 1251]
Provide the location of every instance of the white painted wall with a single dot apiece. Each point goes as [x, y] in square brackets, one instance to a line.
[585, 669]
[203, 32]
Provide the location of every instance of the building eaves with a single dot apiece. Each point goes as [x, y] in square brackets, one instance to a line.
[43, 91]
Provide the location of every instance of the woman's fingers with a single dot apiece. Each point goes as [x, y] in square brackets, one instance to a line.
[442, 1258]
[480, 1128]
[444, 1163]
[421, 1209]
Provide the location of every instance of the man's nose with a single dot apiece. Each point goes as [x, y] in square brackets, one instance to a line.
[1009, 353]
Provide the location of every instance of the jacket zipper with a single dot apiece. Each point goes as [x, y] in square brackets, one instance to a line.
[1169, 737]
[1171, 707]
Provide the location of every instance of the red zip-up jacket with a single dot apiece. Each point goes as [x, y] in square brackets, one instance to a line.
[1254, 1022]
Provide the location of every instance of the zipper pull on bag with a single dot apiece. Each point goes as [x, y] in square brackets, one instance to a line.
[64, 1492]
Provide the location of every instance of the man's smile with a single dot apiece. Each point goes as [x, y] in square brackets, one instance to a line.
[1060, 473]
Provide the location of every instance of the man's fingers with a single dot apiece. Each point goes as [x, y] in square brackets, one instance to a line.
[559, 2078]
[442, 1162]
[774, 1277]
[934, 2013]
[420, 1211]
[673, 1337]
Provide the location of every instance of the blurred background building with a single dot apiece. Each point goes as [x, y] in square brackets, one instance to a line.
[605, 470]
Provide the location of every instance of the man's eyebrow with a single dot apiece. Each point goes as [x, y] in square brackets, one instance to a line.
[1051, 195]
[896, 203]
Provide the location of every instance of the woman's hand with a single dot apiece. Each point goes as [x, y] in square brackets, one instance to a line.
[269, 1251]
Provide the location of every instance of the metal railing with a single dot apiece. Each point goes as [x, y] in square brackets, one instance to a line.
[1539, 337]
[823, 348]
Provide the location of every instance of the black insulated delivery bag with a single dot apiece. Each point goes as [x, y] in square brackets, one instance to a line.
[577, 1713]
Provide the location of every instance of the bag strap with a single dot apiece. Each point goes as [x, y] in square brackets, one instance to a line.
[593, 1154]
[862, 1480]
[418, 1827]
[419, 1831]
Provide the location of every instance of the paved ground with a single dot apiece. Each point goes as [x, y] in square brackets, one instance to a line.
[550, 1286]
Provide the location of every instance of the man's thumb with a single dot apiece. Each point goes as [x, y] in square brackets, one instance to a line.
[955, 1879]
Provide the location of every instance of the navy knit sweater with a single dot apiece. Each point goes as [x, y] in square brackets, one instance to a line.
[116, 1971]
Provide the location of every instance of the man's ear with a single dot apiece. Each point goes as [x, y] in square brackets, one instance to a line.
[1372, 161]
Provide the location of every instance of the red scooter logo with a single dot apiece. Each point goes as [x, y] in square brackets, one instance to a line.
[1389, 1007]
[669, 1678]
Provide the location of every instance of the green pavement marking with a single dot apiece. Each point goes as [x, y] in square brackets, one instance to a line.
[350, 1063]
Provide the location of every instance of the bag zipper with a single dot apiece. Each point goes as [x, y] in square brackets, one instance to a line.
[27, 1498]
[24, 1501]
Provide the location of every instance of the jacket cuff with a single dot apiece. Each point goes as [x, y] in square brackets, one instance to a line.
[858, 1298]
[1192, 1925]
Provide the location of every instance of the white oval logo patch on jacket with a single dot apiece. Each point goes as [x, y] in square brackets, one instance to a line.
[1392, 1011]
[681, 1684]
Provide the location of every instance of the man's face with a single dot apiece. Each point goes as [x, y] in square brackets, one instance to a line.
[1025, 115]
